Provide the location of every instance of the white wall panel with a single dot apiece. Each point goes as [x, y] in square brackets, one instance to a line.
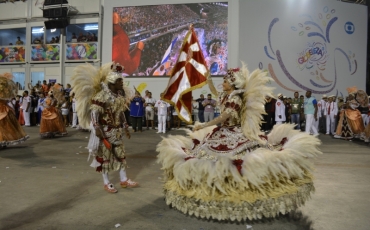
[13, 10]
[5, 70]
[279, 36]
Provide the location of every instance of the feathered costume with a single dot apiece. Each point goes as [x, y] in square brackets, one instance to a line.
[52, 120]
[234, 172]
[11, 133]
[98, 107]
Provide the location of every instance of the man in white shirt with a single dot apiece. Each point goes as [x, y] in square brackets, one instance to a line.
[162, 109]
[26, 106]
[321, 105]
[331, 110]
[149, 111]
[40, 107]
[280, 110]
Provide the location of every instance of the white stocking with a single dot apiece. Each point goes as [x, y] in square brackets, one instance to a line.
[122, 175]
[105, 178]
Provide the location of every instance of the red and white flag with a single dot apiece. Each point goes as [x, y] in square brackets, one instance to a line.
[189, 73]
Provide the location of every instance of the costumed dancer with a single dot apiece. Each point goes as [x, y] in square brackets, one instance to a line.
[350, 123]
[11, 133]
[234, 172]
[101, 102]
[51, 118]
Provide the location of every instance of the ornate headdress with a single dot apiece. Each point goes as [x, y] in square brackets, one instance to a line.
[352, 90]
[8, 89]
[113, 73]
[235, 77]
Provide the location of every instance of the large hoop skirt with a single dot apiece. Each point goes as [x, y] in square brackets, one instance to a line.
[11, 132]
[218, 173]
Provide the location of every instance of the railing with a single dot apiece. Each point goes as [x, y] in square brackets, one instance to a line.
[49, 52]
[12, 54]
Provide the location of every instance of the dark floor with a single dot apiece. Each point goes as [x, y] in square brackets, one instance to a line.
[48, 184]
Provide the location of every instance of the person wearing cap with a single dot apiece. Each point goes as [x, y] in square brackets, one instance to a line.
[310, 111]
[340, 103]
[321, 105]
[330, 113]
[296, 108]
[19, 41]
[280, 117]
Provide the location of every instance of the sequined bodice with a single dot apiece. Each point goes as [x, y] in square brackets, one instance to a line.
[230, 104]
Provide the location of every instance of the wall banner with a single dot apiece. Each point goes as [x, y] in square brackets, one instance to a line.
[12, 54]
[45, 52]
[82, 51]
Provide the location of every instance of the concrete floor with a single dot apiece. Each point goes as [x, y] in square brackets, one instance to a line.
[48, 184]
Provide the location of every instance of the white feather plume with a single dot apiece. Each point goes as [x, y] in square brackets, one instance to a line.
[256, 89]
[86, 83]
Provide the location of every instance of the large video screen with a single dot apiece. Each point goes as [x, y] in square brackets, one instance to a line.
[147, 39]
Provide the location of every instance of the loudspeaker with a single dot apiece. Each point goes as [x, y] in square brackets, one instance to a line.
[54, 2]
[56, 24]
[61, 12]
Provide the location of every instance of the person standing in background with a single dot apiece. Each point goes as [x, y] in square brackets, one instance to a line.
[302, 117]
[209, 108]
[269, 117]
[296, 108]
[287, 109]
[162, 109]
[19, 41]
[310, 111]
[280, 110]
[200, 108]
[45, 87]
[40, 107]
[33, 111]
[149, 110]
[330, 113]
[321, 105]
[137, 112]
[195, 111]
[74, 111]
[26, 107]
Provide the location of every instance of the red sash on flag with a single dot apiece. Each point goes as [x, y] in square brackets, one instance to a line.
[190, 72]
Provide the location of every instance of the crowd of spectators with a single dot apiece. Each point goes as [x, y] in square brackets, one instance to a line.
[142, 18]
[158, 25]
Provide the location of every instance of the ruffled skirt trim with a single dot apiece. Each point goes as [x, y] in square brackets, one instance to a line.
[14, 142]
[241, 211]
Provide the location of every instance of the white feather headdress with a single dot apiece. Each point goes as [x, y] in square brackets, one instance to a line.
[255, 91]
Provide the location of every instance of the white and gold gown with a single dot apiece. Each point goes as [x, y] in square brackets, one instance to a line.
[219, 172]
